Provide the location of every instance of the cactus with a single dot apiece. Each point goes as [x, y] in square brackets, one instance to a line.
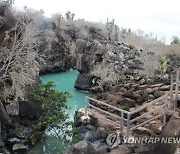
[164, 64]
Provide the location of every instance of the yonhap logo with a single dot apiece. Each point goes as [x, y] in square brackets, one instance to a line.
[113, 140]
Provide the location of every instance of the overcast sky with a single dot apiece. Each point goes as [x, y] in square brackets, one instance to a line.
[161, 17]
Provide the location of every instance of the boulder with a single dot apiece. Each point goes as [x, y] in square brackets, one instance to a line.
[13, 108]
[100, 133]
[30, 109]
[142, 149]
[85, 62]
[14, 140]
[142, 98]
[172, 129]
[126, 102]
[158, 94]
[82, 130]
[19, 147]
[151, 97]
[80, 46]
[83, 82]
[165, 88]
[102, 150]
[121, 149]
[149, 91]
[129, 93]
[82, 147]
[96, 89]
[81, 120]
[90, 127]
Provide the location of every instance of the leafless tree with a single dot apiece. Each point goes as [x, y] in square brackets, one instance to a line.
[20, 63]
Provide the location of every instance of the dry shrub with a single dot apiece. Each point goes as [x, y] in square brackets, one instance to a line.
[81, 26]
[106, 75]
[31, 15]
[151, 63]
[21, 62]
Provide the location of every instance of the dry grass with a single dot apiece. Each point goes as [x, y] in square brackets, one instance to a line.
[151, 44]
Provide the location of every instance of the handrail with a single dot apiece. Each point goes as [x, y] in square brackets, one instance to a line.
[158, 116]
[148, 104]
[115, 108]
[147, 113]
[115, 116]
[129, 121]
[175, 70]
[174, 75]
[103, 117]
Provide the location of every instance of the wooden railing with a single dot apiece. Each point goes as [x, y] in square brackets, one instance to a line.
[126, 116]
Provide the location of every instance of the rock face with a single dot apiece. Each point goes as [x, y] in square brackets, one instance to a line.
[1, 145]
[29, 111]
[118, 59]
[83, 82]
[172, 129]
[56, 53]
[126, 62]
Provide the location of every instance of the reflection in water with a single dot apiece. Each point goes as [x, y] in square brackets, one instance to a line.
[64, 82]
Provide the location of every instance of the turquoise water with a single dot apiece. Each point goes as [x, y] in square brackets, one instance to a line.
[65, 83]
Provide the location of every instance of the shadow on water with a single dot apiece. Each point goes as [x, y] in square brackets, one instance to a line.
[65, 83]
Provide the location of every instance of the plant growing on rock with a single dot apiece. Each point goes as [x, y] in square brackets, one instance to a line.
[164, 64]
[53, 118]
[69, 15]
[175, 40]
[106, 75]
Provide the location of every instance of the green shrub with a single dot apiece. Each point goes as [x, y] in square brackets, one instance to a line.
[53, 117]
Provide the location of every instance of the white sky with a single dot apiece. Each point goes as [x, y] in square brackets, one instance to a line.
[161, 17]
